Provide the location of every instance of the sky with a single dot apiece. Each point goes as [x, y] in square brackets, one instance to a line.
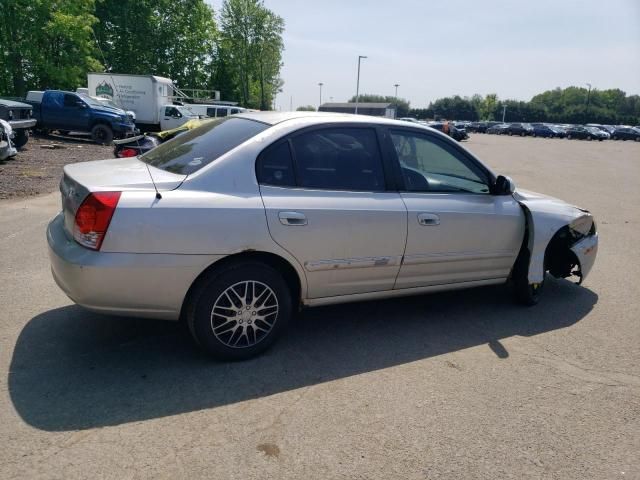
[434, 49]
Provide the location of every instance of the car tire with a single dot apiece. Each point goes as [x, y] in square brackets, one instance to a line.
[568, 137]
[101, 134]
[225, 297]
[522, 134]
[525, 293]
[637, 139]
[589, 138]
[21, 138]
[534, 134]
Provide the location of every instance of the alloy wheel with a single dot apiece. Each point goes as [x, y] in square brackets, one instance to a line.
[244, 314]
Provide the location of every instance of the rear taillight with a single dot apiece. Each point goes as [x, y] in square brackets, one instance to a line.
[127, 152]
[93, 218]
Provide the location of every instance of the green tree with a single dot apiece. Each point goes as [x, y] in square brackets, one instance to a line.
[46, 45]
[171, 38]
[306, 108]
[250, 50]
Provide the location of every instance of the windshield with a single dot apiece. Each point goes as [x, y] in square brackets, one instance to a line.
[192, 150]
[186, 111]
[89, 101]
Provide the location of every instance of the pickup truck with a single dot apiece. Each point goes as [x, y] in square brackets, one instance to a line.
[18, 115]
[70, 111]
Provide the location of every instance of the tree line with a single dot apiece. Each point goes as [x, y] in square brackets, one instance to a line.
[569, 105]
[54, 44]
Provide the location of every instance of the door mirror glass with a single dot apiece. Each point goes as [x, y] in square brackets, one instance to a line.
[504, 186]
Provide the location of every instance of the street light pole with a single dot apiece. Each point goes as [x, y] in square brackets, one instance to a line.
[396, 85]
[504, 112]
[360, 57]
[320, 85]
[588, 97]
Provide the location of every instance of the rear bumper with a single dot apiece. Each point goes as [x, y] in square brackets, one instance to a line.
[130, 284]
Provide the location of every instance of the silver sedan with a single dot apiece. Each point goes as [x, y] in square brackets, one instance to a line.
[235, 225]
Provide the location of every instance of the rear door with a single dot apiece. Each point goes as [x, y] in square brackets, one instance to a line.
[327, 203]
[457, 230]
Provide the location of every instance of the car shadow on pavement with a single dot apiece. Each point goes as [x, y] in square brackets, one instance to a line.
[72, 369]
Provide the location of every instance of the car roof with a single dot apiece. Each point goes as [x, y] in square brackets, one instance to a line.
[273, 118]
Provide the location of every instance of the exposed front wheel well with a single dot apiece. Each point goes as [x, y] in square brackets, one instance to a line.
[276, 262]
[559, 259]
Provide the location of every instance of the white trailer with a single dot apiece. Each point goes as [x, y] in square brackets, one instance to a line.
[150, 97]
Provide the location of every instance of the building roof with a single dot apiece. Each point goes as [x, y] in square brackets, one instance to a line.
[360, 104]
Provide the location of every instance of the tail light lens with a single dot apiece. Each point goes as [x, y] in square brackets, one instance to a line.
[127, 152]
[93, 218]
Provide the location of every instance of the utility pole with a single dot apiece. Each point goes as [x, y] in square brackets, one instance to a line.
[588, 98]
[320, 85]
[360, 57]
[396, 85]
[504, 112]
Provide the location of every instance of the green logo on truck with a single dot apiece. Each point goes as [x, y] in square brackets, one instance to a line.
[104, 90]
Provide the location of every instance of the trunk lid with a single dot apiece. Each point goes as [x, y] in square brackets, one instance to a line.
[118, 175]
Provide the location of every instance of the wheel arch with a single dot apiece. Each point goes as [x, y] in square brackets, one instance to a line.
[296, 283]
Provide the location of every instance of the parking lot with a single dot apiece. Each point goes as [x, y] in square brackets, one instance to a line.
[462, 384]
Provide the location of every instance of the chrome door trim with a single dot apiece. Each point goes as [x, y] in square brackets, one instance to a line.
[343, 263]
[357, 297]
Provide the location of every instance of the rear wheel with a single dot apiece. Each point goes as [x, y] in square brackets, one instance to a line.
[238, 312]
[569, 137]
[102, 134]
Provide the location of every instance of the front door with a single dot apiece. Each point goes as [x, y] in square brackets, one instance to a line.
[171, 118]
[324, 191]
[457, 230]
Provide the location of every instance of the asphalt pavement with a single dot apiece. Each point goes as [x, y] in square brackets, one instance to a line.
[458, 385]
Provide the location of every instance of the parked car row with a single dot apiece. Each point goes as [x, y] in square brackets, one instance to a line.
[547, 130]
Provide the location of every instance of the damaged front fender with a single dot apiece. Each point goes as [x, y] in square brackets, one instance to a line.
[570, 228]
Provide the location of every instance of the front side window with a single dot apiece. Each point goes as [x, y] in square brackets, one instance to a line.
[339, 159]
[172, 112]
[429, 165]
[189, 152]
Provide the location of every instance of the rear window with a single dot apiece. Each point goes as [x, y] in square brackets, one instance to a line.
[192, 150]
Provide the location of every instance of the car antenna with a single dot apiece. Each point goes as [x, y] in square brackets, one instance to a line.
[158, 196]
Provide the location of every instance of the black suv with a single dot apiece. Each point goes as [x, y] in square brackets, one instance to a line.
[19, 117]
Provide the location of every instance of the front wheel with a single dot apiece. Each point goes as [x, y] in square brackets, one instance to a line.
[102, 134]
[21, 138]
[526, 293]
[238, 312]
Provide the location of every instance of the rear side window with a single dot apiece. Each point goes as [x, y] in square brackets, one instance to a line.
[339, 159]
[275, 166]
[221, 112]
[192, 150]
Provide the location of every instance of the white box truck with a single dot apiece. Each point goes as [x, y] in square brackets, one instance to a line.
[150, 97]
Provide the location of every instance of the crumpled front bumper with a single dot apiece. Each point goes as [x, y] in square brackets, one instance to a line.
[586, 251]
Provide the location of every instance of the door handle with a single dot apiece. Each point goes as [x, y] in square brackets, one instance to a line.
[292, 218]
[428, 219]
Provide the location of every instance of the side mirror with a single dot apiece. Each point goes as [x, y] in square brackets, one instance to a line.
[504, 186]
